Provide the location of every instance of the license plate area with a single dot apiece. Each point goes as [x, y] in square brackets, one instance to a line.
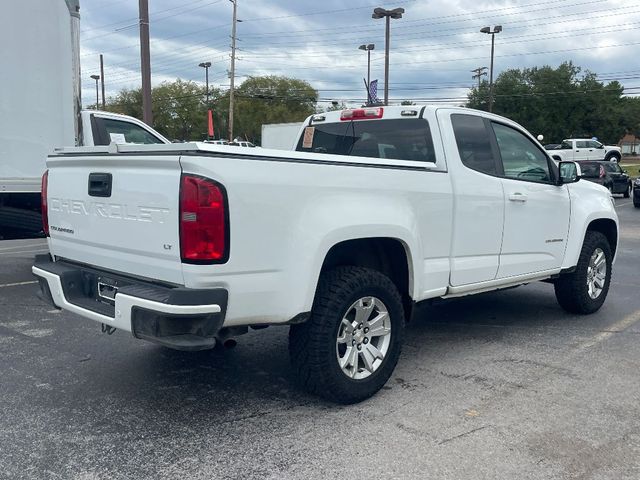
[106, 290]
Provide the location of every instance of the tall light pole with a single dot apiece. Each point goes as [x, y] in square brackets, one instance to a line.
[368, 49]
[388, 15]
[96, 78]
[104, 106]
[206, 66]
[232, 73]
[496, 29]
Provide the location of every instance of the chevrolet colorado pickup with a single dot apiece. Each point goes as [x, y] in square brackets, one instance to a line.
[188, 245]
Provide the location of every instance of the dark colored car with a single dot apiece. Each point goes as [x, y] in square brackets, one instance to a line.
[609, 175]
[636, 193]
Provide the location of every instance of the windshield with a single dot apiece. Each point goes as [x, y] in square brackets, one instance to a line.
[403, 139]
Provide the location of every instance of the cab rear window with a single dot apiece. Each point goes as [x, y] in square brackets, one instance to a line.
[402, 139]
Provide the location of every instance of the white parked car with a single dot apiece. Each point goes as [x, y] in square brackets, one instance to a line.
[379, 209]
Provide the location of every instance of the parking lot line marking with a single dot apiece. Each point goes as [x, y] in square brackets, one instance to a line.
[41, 243]
[42, 249]
[617, 327]
[17, 284]
[622, 204]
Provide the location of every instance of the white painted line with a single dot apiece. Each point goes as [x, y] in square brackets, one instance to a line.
[42, 249]
[622, 204]
[17, 284]
[617, 327]
[31, 245]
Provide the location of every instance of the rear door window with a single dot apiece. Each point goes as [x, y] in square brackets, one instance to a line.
[109, 130]
[474, 145]
[401, 139]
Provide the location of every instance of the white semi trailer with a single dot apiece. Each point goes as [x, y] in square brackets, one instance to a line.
[40, 105]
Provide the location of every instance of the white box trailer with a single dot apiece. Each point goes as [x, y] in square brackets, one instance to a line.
[40, 105]
[280, 136]
[40, 83]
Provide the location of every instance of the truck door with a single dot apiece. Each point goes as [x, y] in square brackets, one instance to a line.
[479, 201]
[581, 150]
[536, 215]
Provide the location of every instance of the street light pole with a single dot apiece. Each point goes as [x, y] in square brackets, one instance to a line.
[388, 15]
[96, 78]
[368, 49]
[232, 74]
[145, 62]
[206, 66]
[496, 29]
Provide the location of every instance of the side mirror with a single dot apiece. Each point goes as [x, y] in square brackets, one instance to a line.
[569, 172]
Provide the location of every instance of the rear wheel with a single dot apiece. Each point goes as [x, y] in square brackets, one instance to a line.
[349, 347]
[585, 289]
[628, 191]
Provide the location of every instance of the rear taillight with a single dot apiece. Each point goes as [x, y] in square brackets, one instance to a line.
[204, 225]
[361, 113]
[43, 202]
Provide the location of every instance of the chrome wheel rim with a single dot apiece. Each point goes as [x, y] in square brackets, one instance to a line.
[364, 337]
[596, 273]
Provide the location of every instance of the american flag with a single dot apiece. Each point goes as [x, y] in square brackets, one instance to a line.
[373, 91]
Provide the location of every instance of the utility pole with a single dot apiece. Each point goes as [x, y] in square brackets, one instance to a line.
[104, 105]
[145, 62]
[479, 72]
[232, 74]
[367, 48]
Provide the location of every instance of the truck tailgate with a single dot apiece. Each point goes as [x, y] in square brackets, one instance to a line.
[117, 212]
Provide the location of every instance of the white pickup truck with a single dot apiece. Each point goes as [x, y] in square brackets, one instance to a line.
[580, 149]
[188, 245]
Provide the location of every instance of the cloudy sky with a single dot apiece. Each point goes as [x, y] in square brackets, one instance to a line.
[434, 46]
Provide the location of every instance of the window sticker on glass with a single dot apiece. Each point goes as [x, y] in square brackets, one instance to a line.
[117, 137]
[307, 141]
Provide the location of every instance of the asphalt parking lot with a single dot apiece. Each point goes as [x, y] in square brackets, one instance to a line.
[504, 385]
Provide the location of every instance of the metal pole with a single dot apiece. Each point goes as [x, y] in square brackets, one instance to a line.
[104, 106]
[233, 67]
[206, 76]
[386, 62]
[368, 77]
[493, 37]
[97, 97]
[145, 62]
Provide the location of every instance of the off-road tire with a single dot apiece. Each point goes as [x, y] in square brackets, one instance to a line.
[312, 345]
[571, 288]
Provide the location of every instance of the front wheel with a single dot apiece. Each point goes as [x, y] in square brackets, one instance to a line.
[585, 289]
[350, 345]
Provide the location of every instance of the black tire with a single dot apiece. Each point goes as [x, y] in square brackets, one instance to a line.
[571, 288]
[613, 157]
[627, 192]
[636, 204]
[312, 345]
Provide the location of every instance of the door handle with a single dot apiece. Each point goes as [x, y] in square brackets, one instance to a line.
[100, 184]
[517, 197]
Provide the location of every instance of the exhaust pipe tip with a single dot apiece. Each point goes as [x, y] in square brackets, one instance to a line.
[230, 343]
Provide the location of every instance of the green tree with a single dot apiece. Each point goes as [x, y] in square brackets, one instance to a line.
[179, 110]
[556, 102]
[269, 99]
